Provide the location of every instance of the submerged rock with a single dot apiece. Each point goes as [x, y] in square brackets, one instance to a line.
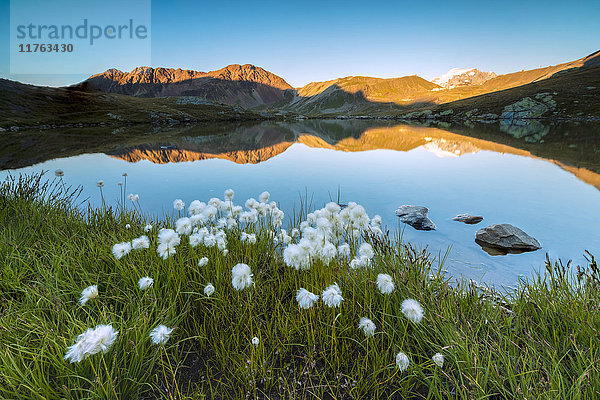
[501, 239]
[468, 219]
[415, 216]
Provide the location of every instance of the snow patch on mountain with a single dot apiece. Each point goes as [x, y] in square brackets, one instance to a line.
[463, 77]
[443, 80]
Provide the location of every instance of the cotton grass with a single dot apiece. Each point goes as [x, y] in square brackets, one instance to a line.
[402, 361]
[91, 342]
[145, 282]
[332, 296]
[89, 293]
[306, 299]
[160, 335]
[241, 277]
[367, 326]
[412, 310]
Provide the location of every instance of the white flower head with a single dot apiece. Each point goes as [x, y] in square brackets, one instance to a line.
[305, 298]
[140, 243]
[160, 335]
[438, 359]
[366, 250]
[121, 249]
[148, 228]
[402, 361]
[178, 204]
[203, 261]
[412, 310]
[90, 292]
[209, 289]
[367, 326]
[264, 197]
[183, 226]
[344, 250]
[241, 276]
[332, 296]
[145, 282]
[90, 342]
[127, 226]
[385, 283]
[229, 194]
[255, 341]
[100, 183]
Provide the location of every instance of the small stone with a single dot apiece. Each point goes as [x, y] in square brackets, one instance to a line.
[468, 219]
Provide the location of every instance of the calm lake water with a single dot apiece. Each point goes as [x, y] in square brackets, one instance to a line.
[542, 179]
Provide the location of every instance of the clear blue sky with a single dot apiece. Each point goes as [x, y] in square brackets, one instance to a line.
[317, 40]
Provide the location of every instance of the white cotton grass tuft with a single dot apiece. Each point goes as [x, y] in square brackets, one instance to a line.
[402, 361]
[100, 183]
[241, 277]
[90, 342]
[145, 282]
[168, 239]
[255, 341]
[306, 299]
[332, 296]
[121, 249]
[89, 293]
[264, 197]
[385, 283]
[160, 335]
[366, 250]
[367, 326]
[178, 204]
[127, 226]
[140, 243]
[438, 359]
[229, 194]
[412, 310]
[148, 228]
[183, 226]
[344, 250]
[209, 289]
[203, 261]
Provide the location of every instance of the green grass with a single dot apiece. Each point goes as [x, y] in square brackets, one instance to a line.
[540, 341]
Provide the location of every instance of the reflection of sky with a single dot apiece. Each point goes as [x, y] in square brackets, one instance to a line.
[545, 201]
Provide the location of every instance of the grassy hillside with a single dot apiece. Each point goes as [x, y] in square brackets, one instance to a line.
[571, 93]
[33, 106]
[375, 96]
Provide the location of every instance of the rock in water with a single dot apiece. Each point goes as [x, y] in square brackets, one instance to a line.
[468, 219]
[505, 238]
[416, 216]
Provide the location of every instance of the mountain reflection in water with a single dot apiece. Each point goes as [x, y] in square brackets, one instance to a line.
[543, 181]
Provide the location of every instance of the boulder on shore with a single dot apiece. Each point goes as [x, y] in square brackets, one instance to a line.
[415, 216]
[468, 219]
[505, 238]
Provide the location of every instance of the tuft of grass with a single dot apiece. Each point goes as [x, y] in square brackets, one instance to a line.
[538, 341]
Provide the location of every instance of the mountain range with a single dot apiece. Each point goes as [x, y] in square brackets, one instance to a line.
[252, 87]
[240, 92]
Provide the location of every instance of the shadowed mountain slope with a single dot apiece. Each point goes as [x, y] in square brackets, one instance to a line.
[244, 85]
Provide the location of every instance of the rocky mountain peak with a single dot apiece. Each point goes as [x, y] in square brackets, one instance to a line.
[458, 77]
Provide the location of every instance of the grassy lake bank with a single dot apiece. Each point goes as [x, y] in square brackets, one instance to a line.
[538, 341]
